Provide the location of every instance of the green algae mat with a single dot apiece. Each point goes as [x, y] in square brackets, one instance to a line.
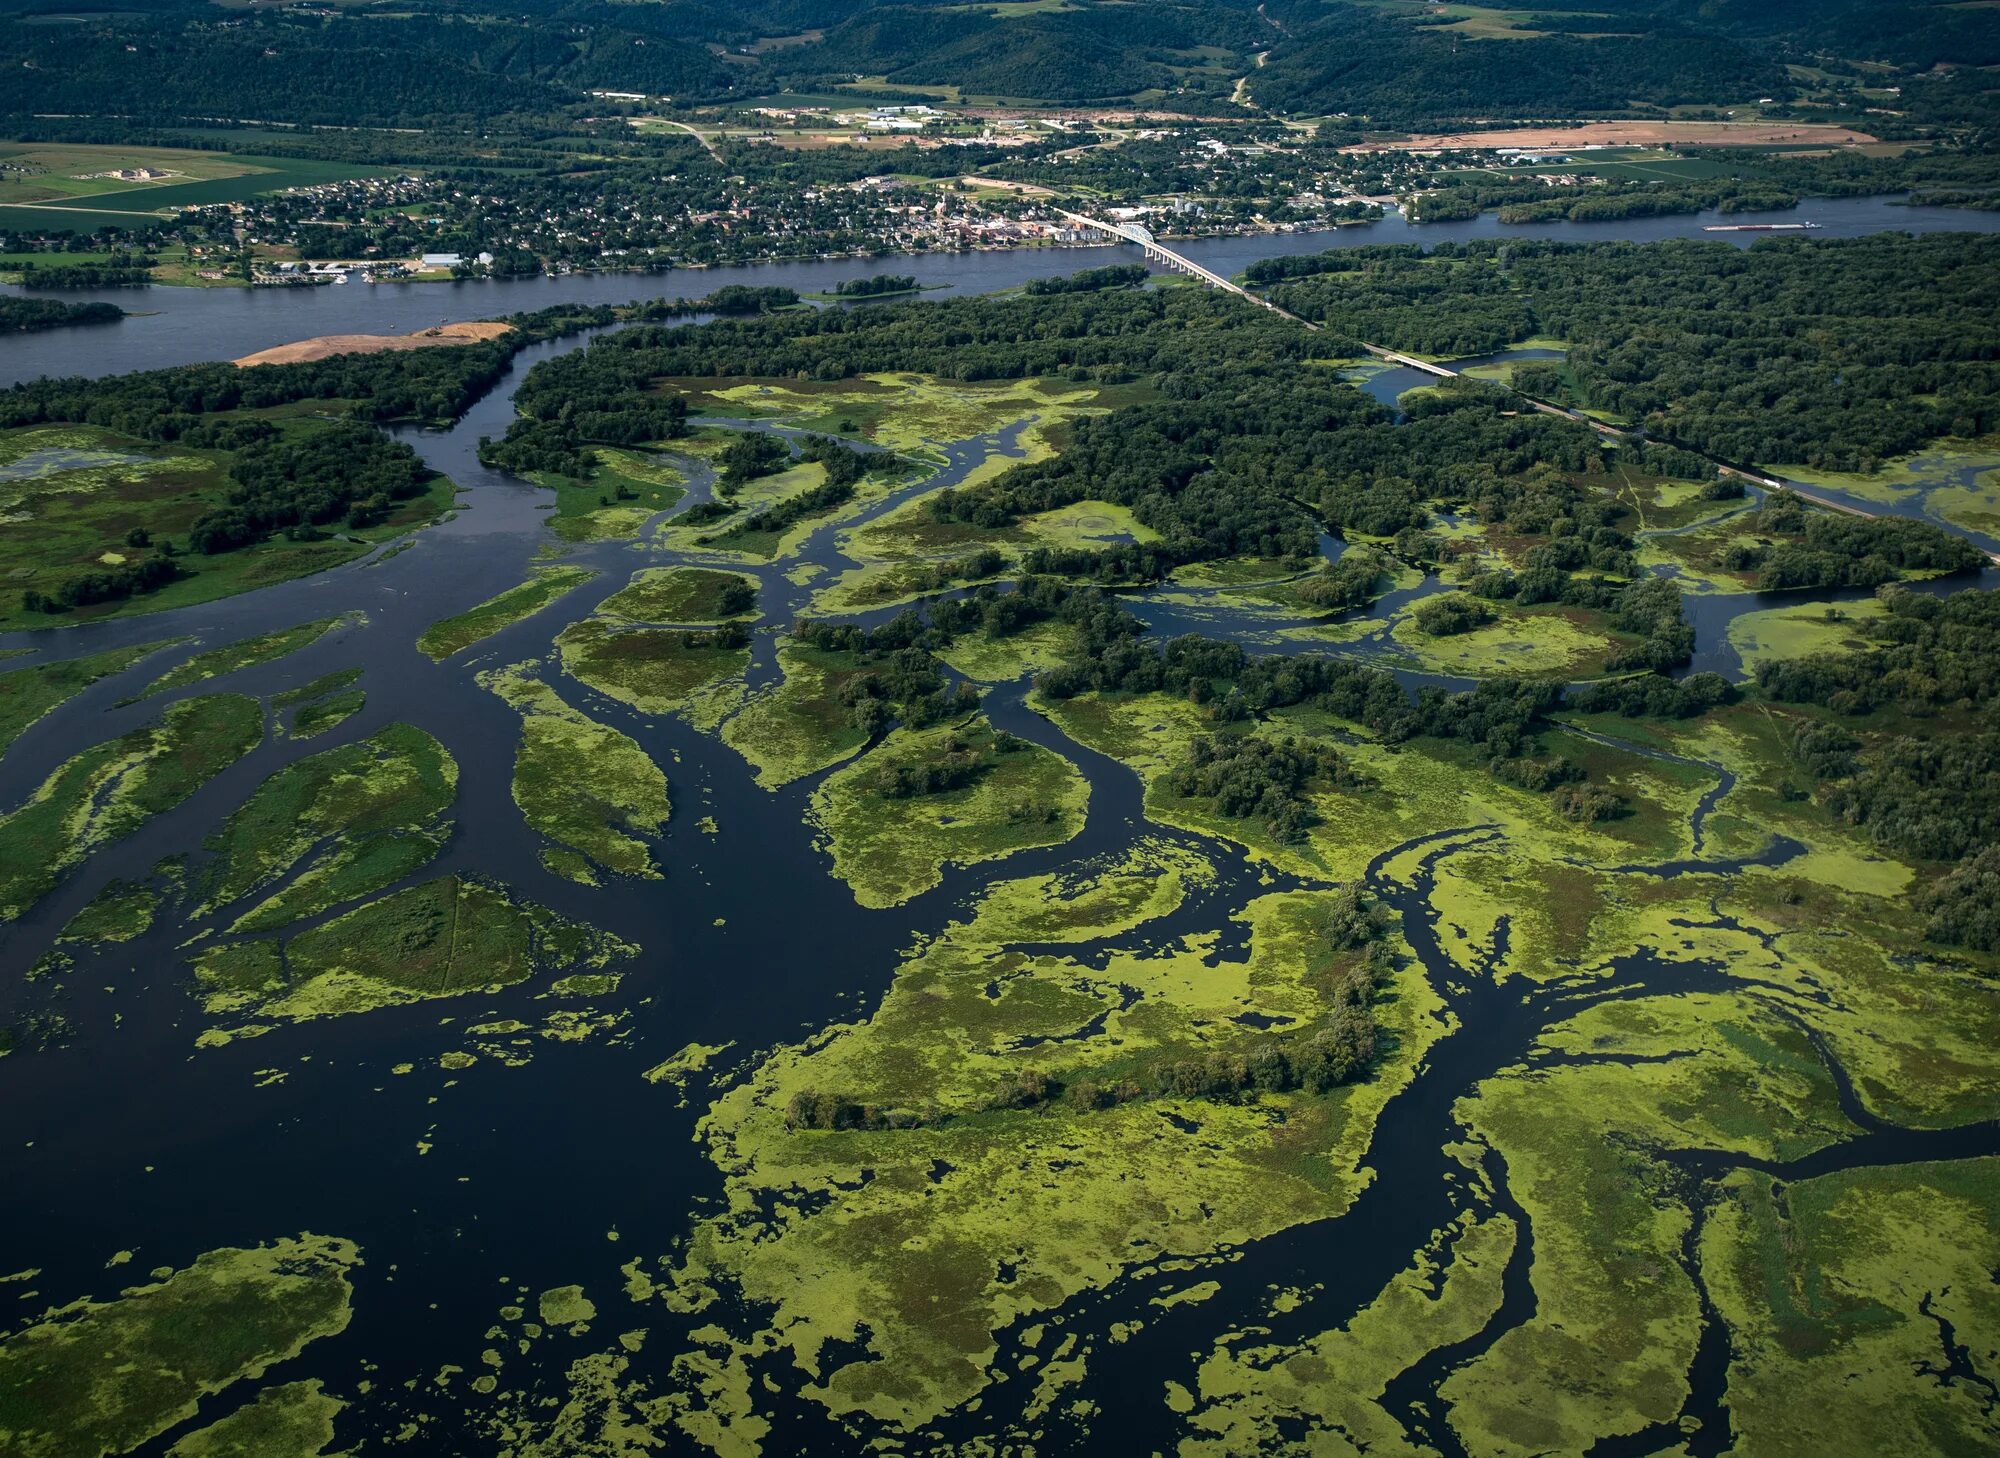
[1029, 958]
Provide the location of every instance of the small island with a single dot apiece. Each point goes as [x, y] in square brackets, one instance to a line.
[26, 316]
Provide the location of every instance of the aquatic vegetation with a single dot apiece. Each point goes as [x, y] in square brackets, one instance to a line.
[457, 633]
[697, 596]
[655, 670]
[1797, 632]
[890, 834]
[991, 658]
[107, 791]
[251, 652]
[325, 703]
[1862, 1306]
[439, 939]
[803, 723]
[118, 913]
[1001, 1211]
[678, 1071]
[1254, 1396]
[580, 783]
[332, 827]
[29, 694]
[624, 490]
[291, 1421]
[1557, 642]
[226, 1318]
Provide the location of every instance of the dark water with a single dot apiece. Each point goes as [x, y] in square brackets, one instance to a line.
[184, 325]
[127, 1138]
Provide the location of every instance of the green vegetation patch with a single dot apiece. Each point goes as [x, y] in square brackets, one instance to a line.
[990, 1191]
[1262, 1397]
[332, 827]
[580, 783]
[98, 1377]
[1548, 641]
[264, 648]
[294, 1420]
[802, 724]
[28, 694]
[1845, 1294]
[1775, 634]
[95, 512]
[624, 490]
[121, 911]
[459, 632]
[109, 790]
[656, 670]
[695, 596]
[959, 793]
[325, 703]
[439, 939]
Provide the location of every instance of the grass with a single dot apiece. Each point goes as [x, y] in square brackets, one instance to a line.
[290, 1421]
[693, 596]
[624, 491]
[580, 783]
[332, 827]
[889, 849]
[250, 653]
[71, 201]
[323, 704]
[27, 695]
[1798, 632]
[1553, 641]
[802, 724]
[461, 631]
[109, 790]
[222, 1320]
[442, 938]
[1839, 1288]
[655, 670]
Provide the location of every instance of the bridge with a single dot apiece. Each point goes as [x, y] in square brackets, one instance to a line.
[1158, 252]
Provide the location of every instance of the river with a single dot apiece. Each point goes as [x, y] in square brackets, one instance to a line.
[183, 325]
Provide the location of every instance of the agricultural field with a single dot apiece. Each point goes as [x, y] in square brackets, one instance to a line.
[82, 188]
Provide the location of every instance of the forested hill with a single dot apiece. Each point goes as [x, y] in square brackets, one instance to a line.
[1412, 66]
[1400, 63]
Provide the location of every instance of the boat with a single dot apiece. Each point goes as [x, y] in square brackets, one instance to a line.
[1755, 227]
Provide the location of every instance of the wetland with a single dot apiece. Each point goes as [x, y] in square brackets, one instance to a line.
[1098, 879]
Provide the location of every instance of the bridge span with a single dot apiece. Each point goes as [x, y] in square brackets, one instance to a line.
[1160, 253]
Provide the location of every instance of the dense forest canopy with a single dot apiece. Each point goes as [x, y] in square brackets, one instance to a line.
[470, 60]
[1837, 355]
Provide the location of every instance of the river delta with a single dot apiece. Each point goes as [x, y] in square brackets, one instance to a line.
[509, 993]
